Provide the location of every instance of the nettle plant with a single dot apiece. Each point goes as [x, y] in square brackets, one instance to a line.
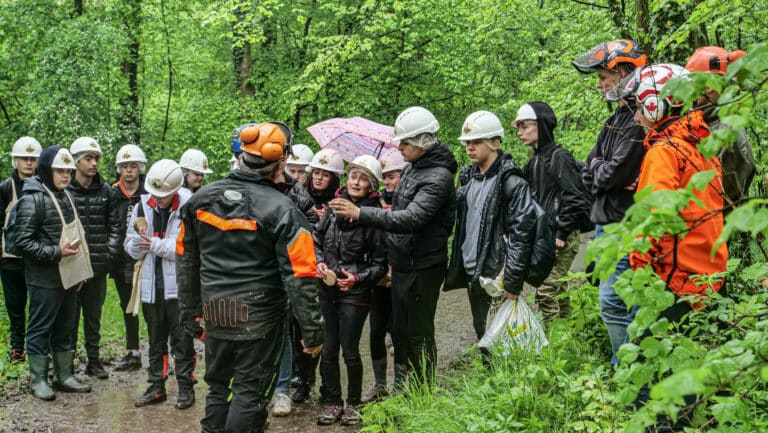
[720, 354]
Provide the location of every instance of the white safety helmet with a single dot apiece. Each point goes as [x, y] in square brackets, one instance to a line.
[195, 160]
[414, 121]
[524, 113]
[25, 147]
[646, 84]
[131, 153]
[369, 166]
[63, 159]
[85, 144]
[302, 155]
[481, 124]
[164, 178]
[393, 161]
[328, 160]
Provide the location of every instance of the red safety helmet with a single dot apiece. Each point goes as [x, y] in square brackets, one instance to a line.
[609, 55]
[712, 59]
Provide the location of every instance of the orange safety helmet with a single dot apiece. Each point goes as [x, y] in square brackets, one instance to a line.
[270, 141]
[609, 55]
[712, 59]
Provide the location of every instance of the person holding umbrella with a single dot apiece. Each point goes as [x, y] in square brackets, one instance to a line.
[418, 227]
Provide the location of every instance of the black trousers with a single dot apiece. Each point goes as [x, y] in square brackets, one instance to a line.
[479, 304]
[246, 369]
[124, 290]
[380, 321]
[52, 314]
[90, 300]
[414, 302]
[162, 319]
[15, 292]
[343, 329]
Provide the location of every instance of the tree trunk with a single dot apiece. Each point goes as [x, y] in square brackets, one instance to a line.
[241, 55]
[130, 121]
[78, 8]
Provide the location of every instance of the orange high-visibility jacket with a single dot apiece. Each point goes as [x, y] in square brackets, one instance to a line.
[671, 160]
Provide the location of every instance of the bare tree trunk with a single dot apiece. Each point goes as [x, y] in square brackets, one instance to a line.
[78, 8]
[170, 72]
[130, 122]
[241, 55]
[643, 22]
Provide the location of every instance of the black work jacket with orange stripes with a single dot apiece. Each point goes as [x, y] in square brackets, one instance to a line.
[245, 249]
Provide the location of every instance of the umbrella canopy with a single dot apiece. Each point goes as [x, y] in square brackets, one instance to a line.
[354, 136]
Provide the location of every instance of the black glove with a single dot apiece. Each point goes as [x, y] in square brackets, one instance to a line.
[190, 322]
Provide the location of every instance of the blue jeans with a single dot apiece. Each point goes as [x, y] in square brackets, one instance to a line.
[613, 310]
[286, 367]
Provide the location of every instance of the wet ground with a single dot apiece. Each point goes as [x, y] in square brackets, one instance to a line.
[109, 408]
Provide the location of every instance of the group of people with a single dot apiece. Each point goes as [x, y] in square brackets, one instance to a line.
[277, 266]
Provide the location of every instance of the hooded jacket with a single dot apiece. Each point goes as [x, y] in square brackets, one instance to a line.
[98, 212]
[121, 267]
[361, 250]
[422, 214]
[163, 247]
[508, 211]
[243, 251]
[613, 165]
[6, 197]
[670, 163]
[300, 196]
[555, 177]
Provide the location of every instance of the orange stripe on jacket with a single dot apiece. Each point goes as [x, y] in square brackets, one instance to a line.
[301, 252]
[180, 240]
[226, 224]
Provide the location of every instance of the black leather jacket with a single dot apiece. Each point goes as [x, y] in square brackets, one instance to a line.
[508, 211]
[361, 250]
[121, 266]
[243, 251]
[614, 164]
[99, 213]
[300, 196]
[39, 232]
[423, 212]
[6, 196]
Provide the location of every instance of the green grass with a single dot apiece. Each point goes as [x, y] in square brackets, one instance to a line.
[565, 388]
[15, 376]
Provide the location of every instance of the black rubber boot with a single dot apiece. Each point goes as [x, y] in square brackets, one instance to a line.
[186, 397]
[64, 373]
[38, 377]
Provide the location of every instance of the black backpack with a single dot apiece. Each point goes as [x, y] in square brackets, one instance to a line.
[544, 253]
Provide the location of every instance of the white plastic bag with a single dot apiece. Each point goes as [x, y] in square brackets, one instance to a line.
[494, 287]
[514, 325]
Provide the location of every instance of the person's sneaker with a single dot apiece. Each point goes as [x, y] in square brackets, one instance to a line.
[15, 356]
[95, 368]
[296, 382]
[301, 394]
[350, 416]
[330, 414]
[281, 405]
[154, 394]
[129, 362]
[377, 393]
[186, 397]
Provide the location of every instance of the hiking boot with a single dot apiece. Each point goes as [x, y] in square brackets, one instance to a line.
[301, 394]
[38, 377]
[154, 394]
[186, 397]
[350, 416]
[95, 368]
[16, 355]
[64, 373]
[377, 393]
[281, 405]
[330, 414]
[129, 362]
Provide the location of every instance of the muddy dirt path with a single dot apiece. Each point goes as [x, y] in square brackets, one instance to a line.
[109, 408]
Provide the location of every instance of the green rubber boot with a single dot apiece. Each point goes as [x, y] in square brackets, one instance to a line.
[64, 373]
[38, 377]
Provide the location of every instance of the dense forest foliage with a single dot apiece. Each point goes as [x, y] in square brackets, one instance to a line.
[169, 75]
